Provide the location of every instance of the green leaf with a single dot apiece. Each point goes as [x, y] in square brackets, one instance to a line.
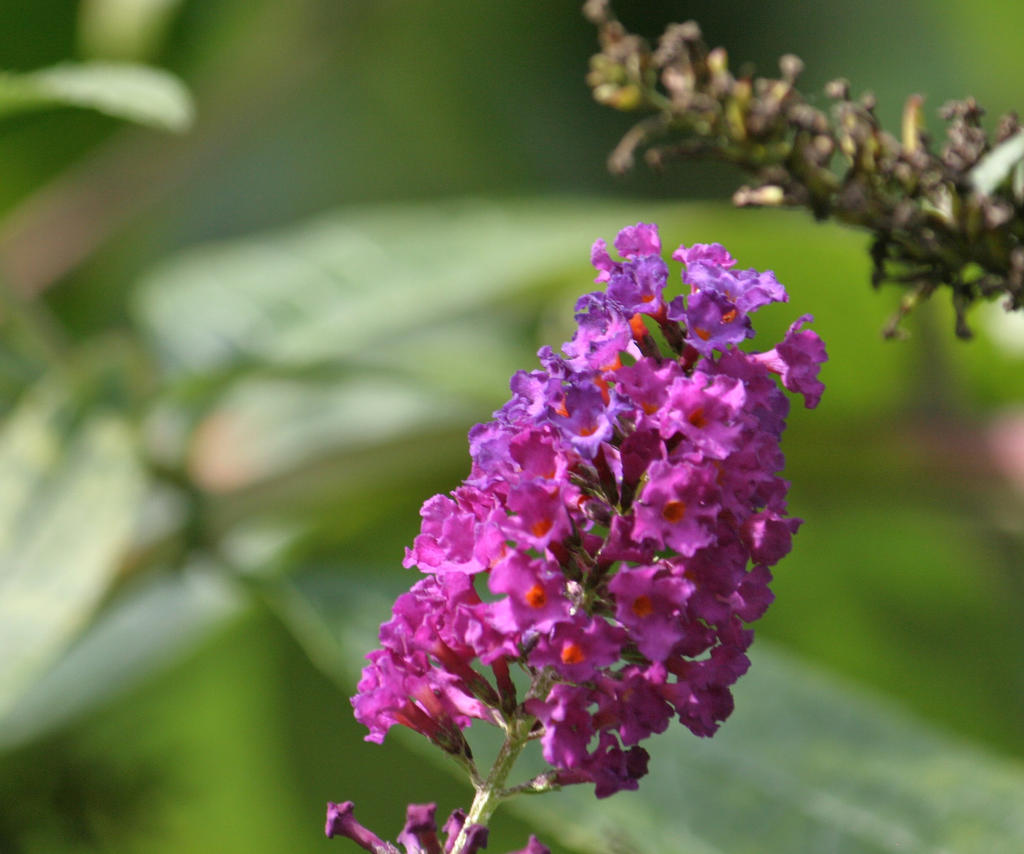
[136, 93]
[125, 29]
[356, 280]
[435, 356]
[805, 763]
[362, 329]
[996, 166]
[354, 286]
[69, 490]
[263, 427]
[145, 630]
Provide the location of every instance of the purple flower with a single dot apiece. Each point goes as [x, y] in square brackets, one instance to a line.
[647, 385]
[418, 836]
[707, 412]
[534, 594]
[534, 846]
[677, 507]
[532, 394]
[638, 241]
[585, 419]
[705, 253]
[568, 724]
[769, 536]
[798, 359]
[613, 769]
[649, 603]
[577, 648]
[341, 822]
[603, 334]
[541, 515]
[619, 520]
[537, 456]
[747, 290]
[638, 286]
[636, 704]
[712, 321]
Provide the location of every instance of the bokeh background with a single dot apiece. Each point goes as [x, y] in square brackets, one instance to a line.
[236, 360]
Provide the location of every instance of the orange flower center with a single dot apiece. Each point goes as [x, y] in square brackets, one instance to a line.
[541, 527]
[673, 511]
[642, 606]
[536, 597]
[572, 653]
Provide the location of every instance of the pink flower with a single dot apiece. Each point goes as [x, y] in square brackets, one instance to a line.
[619, 520]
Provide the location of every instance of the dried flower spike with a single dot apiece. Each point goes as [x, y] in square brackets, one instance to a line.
[952, 218]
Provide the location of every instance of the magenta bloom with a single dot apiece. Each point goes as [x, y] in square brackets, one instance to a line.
[419, 836]
[614, 536]
[797, 359]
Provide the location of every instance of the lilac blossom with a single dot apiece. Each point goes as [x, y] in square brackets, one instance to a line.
[612, 541]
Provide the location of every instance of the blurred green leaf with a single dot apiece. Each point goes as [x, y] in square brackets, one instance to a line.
[146, 629]
[362, 329]
[124, 29]
[69, 490]
[434, 291]
[356, 280]
[137, 93]
[435, 356]
[804, 764]
[263, 428]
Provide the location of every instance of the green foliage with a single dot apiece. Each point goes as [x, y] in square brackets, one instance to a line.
[71, 485]
[125, 29]
[309, 389]
[805, 763]
[353, 283]
[136, 93]
[214, 450]
[147, 629]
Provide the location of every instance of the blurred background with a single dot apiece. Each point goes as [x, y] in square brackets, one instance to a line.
[236, 358]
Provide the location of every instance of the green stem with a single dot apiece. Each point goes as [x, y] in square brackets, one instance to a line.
[491, 793]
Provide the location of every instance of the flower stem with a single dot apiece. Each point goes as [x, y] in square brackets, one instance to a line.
[491, 792]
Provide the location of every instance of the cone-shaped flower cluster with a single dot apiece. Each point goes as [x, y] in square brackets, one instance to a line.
[615, 533]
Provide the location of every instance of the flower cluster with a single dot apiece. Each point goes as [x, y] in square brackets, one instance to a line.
[419, 836]
[615, 533]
